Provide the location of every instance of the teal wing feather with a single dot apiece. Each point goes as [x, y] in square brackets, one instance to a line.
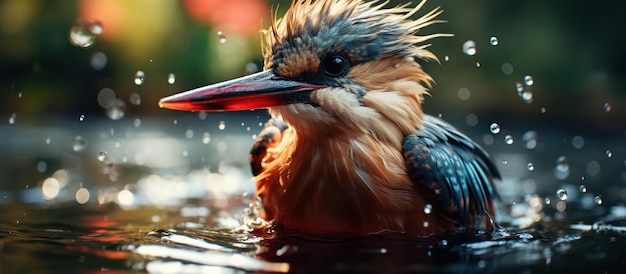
[454, 172]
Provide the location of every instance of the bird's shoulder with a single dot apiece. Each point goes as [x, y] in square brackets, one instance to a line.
[454, 173]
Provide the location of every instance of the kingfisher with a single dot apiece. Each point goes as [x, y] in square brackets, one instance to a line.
[348, 148]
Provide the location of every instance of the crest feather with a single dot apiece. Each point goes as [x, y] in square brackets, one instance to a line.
[366, 29]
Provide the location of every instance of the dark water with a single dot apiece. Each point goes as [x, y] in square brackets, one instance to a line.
[163, 197]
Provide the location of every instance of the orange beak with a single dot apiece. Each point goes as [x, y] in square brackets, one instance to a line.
[260, 90]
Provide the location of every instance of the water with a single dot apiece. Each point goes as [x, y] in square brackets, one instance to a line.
[89, 210]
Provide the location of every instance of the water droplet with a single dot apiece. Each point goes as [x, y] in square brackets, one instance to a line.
[582, 188]
[507, 68]
[102, 156]
[608, 154]
[531, 166]
[80, 35]
[221, 36]
[464, 93]
[428, 208]
[81, 117]
[175, 122]
[106, 97]
[48, 140]
[206, 138]
[82, 195]
[471, 119]
[98, 61]
[519, 88]
[189, 133]
[505, 162]
[117, 110]
[528, 80]
[42, 166]
[530, 139]
[508, 139]
[79, 143]
[478, 64]
[561, 194]
[140, 77]
[578, 142]
[135, 99]
[221, 125]
[171, 78]
[542, 110]
[561, 171]
[598, 200]
[12, 118]
[494, 128]
[202, 115]
[526, 236]
[426, 224]
[493, 41]
[527, 96]
[469, 48]
[95, 27]
[547, 200]
[446, 58]
[607, 107]
[251, 68]
[137, 122]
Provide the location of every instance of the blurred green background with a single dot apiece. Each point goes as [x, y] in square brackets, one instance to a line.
[573, 50]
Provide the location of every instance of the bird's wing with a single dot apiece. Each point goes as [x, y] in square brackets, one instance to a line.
[455, 173]
[270, 136]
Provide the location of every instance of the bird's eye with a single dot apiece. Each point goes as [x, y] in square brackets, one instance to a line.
[336, 65]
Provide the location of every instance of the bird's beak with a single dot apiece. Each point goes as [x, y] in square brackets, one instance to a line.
[259, 90]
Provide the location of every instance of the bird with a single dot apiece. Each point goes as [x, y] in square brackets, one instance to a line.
[348, 148]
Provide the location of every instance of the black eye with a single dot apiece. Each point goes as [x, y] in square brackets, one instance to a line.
[336, 65]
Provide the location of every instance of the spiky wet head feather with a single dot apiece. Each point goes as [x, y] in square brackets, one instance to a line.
[364, 31]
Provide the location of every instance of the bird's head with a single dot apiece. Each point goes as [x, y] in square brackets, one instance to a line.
[332, 65]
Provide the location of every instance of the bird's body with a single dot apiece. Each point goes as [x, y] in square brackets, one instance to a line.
[348, 148]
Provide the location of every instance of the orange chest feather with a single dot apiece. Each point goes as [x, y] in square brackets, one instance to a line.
[354, 185]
